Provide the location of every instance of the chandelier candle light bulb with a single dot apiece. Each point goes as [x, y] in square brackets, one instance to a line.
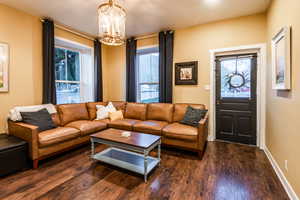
[112, 19]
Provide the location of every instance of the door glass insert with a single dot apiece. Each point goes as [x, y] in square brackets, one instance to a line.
[236, 77]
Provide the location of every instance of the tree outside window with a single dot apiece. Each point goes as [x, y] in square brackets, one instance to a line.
[67, 73]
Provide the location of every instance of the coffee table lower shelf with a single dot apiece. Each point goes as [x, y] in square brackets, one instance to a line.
[128, 160]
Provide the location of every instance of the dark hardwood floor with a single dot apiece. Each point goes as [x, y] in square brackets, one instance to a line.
[227, 172]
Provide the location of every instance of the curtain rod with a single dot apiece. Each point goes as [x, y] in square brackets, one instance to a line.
[92, 38]
[146, 36]
[72, 31]
[149, 36]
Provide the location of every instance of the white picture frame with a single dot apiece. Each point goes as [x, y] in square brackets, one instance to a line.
[281, 59]
[4, 64]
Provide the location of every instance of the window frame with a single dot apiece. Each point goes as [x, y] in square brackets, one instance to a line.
[140, 52]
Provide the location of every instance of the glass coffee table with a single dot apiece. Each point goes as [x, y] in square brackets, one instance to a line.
[130, 153]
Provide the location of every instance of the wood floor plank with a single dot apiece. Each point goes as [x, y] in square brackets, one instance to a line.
[32, 177]
[227, 171]
[78, 184]
[29, 185]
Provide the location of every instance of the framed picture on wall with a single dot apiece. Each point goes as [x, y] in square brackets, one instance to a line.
[4, 60]
[186, 73]
[281, 59]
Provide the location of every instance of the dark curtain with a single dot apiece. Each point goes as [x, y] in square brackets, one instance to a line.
[49, 89]
[98, 71]
[131, 70]
[166, 40]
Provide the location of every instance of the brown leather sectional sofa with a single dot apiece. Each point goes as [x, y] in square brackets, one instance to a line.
[77, 121]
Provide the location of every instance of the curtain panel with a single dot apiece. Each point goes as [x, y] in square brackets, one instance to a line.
[49, 88]
[131, 70]
[98, 84]
[166, 45]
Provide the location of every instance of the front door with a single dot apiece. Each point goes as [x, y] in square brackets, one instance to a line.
[236, 98]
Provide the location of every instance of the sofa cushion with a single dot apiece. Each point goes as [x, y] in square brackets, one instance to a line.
[160, 112]
[180, 131]
[136, 111]
[124, 124]
[150, 126]
[91, 106]
[57, 135]
[55, 119]
[105, 121]
[120, 105]
[72, 112]
[180, 109]
[87, 127]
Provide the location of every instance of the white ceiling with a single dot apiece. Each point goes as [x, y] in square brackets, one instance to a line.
[144, 16]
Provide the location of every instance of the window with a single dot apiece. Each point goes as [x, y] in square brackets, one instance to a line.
[148, 75]
[73, 73]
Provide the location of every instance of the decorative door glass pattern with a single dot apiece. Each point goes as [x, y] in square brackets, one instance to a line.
[236, 77]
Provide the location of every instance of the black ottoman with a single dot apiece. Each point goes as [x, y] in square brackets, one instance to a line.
[13, 154]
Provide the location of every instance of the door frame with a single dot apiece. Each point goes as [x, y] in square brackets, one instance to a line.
[261, 51]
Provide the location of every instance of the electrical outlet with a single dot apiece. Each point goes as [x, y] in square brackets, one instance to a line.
[286, 165]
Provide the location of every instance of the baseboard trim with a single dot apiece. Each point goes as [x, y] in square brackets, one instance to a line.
[288, 188]
[210, 138]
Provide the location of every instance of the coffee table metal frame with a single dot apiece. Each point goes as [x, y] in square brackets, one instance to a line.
[141, 153]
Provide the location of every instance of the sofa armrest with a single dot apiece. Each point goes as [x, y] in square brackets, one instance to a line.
[203, 131]
[27, 132]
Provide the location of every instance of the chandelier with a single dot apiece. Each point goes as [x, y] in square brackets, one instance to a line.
[111, 18]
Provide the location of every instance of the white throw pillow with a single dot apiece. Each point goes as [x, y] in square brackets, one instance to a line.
[15, 113]
[110, 107]
[103, 111]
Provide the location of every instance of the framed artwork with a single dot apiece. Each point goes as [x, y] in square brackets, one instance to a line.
[4, 60]
[186, 73]
[281, 59]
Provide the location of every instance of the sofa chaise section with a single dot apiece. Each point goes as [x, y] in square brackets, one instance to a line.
[73, 128]
[185, 136]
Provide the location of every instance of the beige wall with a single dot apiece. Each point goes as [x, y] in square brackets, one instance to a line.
[147, 42]
[23, 33]
[116, 73]
[193, 44]
[70, 36]
[283, 127]
[105, 71]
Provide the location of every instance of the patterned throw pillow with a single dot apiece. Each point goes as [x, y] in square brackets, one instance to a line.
[103, 111]
[193, 116]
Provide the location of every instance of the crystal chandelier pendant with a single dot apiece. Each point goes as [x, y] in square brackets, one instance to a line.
[112, 19]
